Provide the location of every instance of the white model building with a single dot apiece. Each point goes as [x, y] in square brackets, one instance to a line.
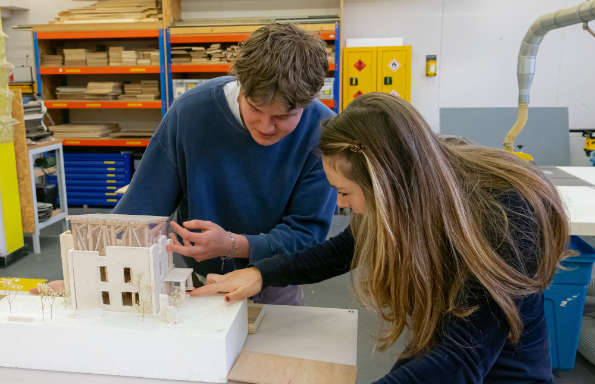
[114, 266]
[119, 263]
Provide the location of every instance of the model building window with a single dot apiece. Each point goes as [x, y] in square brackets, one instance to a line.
[105, 297]
[127, 299]
[127, 275]
[136, 298]
[103, 274]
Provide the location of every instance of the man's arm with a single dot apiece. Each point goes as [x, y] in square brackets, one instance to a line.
[155, 188]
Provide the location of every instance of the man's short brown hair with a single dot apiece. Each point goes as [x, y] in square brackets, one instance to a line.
[281, 62]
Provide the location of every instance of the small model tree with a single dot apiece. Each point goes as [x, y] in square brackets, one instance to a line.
[10, 289]
[48, 298]
[143, 290]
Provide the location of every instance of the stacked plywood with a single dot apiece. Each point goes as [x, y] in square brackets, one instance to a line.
[51, 60]
[73, 130]
[147, 57]
[145, 90]
[70, 92]
[330, 53]
[112, 11]
[97, 59]
[214, 54]
[128, 57]
[115, 55]
[75, 57]
[103, 90]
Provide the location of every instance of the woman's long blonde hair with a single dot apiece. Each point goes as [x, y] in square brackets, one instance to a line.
[433, 221]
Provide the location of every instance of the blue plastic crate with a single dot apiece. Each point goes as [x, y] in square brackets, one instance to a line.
[95, 176]
[97, 202]
[98, 156]
[104, 170]
[104, 182]
[564, 304]
[91, 188]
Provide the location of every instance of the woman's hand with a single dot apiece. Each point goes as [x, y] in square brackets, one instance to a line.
[213, 241]
[237, 285]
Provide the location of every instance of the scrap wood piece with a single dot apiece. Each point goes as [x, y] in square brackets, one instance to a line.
[112, 11]
[255, 315]
[264, 368]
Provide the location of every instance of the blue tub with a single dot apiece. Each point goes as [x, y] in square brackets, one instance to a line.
[564, 304]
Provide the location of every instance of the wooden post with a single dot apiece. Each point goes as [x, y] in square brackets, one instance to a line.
[23, 167]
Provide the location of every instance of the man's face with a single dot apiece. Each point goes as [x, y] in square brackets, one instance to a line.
[268, 124]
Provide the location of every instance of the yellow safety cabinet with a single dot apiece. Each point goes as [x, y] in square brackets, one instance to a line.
[11, 230]
[376, 69]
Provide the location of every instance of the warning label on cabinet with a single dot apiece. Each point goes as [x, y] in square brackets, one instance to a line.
[394, 65]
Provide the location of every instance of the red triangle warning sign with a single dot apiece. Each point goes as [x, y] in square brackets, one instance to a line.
[359, 65]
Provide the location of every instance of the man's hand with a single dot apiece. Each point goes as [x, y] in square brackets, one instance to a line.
[237, 285]
[212, 242]
[56, 286]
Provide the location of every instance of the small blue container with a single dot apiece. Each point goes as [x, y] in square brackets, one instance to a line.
[564, 302]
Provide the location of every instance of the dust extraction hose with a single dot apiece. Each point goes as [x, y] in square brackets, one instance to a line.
[526, 61]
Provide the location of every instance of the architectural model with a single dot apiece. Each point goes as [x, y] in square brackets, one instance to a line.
[124, 303]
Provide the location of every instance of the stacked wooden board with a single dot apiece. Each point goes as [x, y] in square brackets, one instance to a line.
[114, 56]
[103, 90]
[83, 130]
[145, 90]
[76, 57]
[213, 54]
[112, 11]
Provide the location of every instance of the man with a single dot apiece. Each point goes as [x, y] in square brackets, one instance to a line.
[236, 158]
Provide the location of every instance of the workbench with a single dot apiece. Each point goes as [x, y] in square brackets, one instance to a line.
[576, 186]
[321, 334]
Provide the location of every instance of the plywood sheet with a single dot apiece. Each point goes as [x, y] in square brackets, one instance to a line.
[22, 160]
[263, 368]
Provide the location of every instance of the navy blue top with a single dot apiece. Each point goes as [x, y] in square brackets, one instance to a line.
[202, 161]
[473, 350]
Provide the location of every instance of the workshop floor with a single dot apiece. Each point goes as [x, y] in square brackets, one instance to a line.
[336, 293]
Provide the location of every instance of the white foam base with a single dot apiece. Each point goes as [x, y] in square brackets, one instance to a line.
[203, 346]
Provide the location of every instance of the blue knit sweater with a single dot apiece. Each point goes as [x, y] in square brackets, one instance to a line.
[203, 162]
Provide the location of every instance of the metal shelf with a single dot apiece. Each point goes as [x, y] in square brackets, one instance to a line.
[212, 68]
[99, 70]
[105, 142]
[102, 104]
[116, 34]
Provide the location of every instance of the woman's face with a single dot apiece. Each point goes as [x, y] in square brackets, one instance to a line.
[349, 193]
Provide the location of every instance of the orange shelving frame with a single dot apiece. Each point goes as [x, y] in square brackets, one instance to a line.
[98, 70]
[211, 68]
[105, 142]
[102, 104]
[328, 103]
[69, 35]
[228, 37]
[210, 38]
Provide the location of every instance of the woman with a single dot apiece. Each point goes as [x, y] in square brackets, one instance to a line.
[453, 241]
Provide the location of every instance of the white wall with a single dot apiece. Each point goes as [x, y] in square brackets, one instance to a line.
[19, 44]
[257, 8]
[477, 42]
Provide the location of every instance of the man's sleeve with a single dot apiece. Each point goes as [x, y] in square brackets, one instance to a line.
[155, 188]
[307, 219]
